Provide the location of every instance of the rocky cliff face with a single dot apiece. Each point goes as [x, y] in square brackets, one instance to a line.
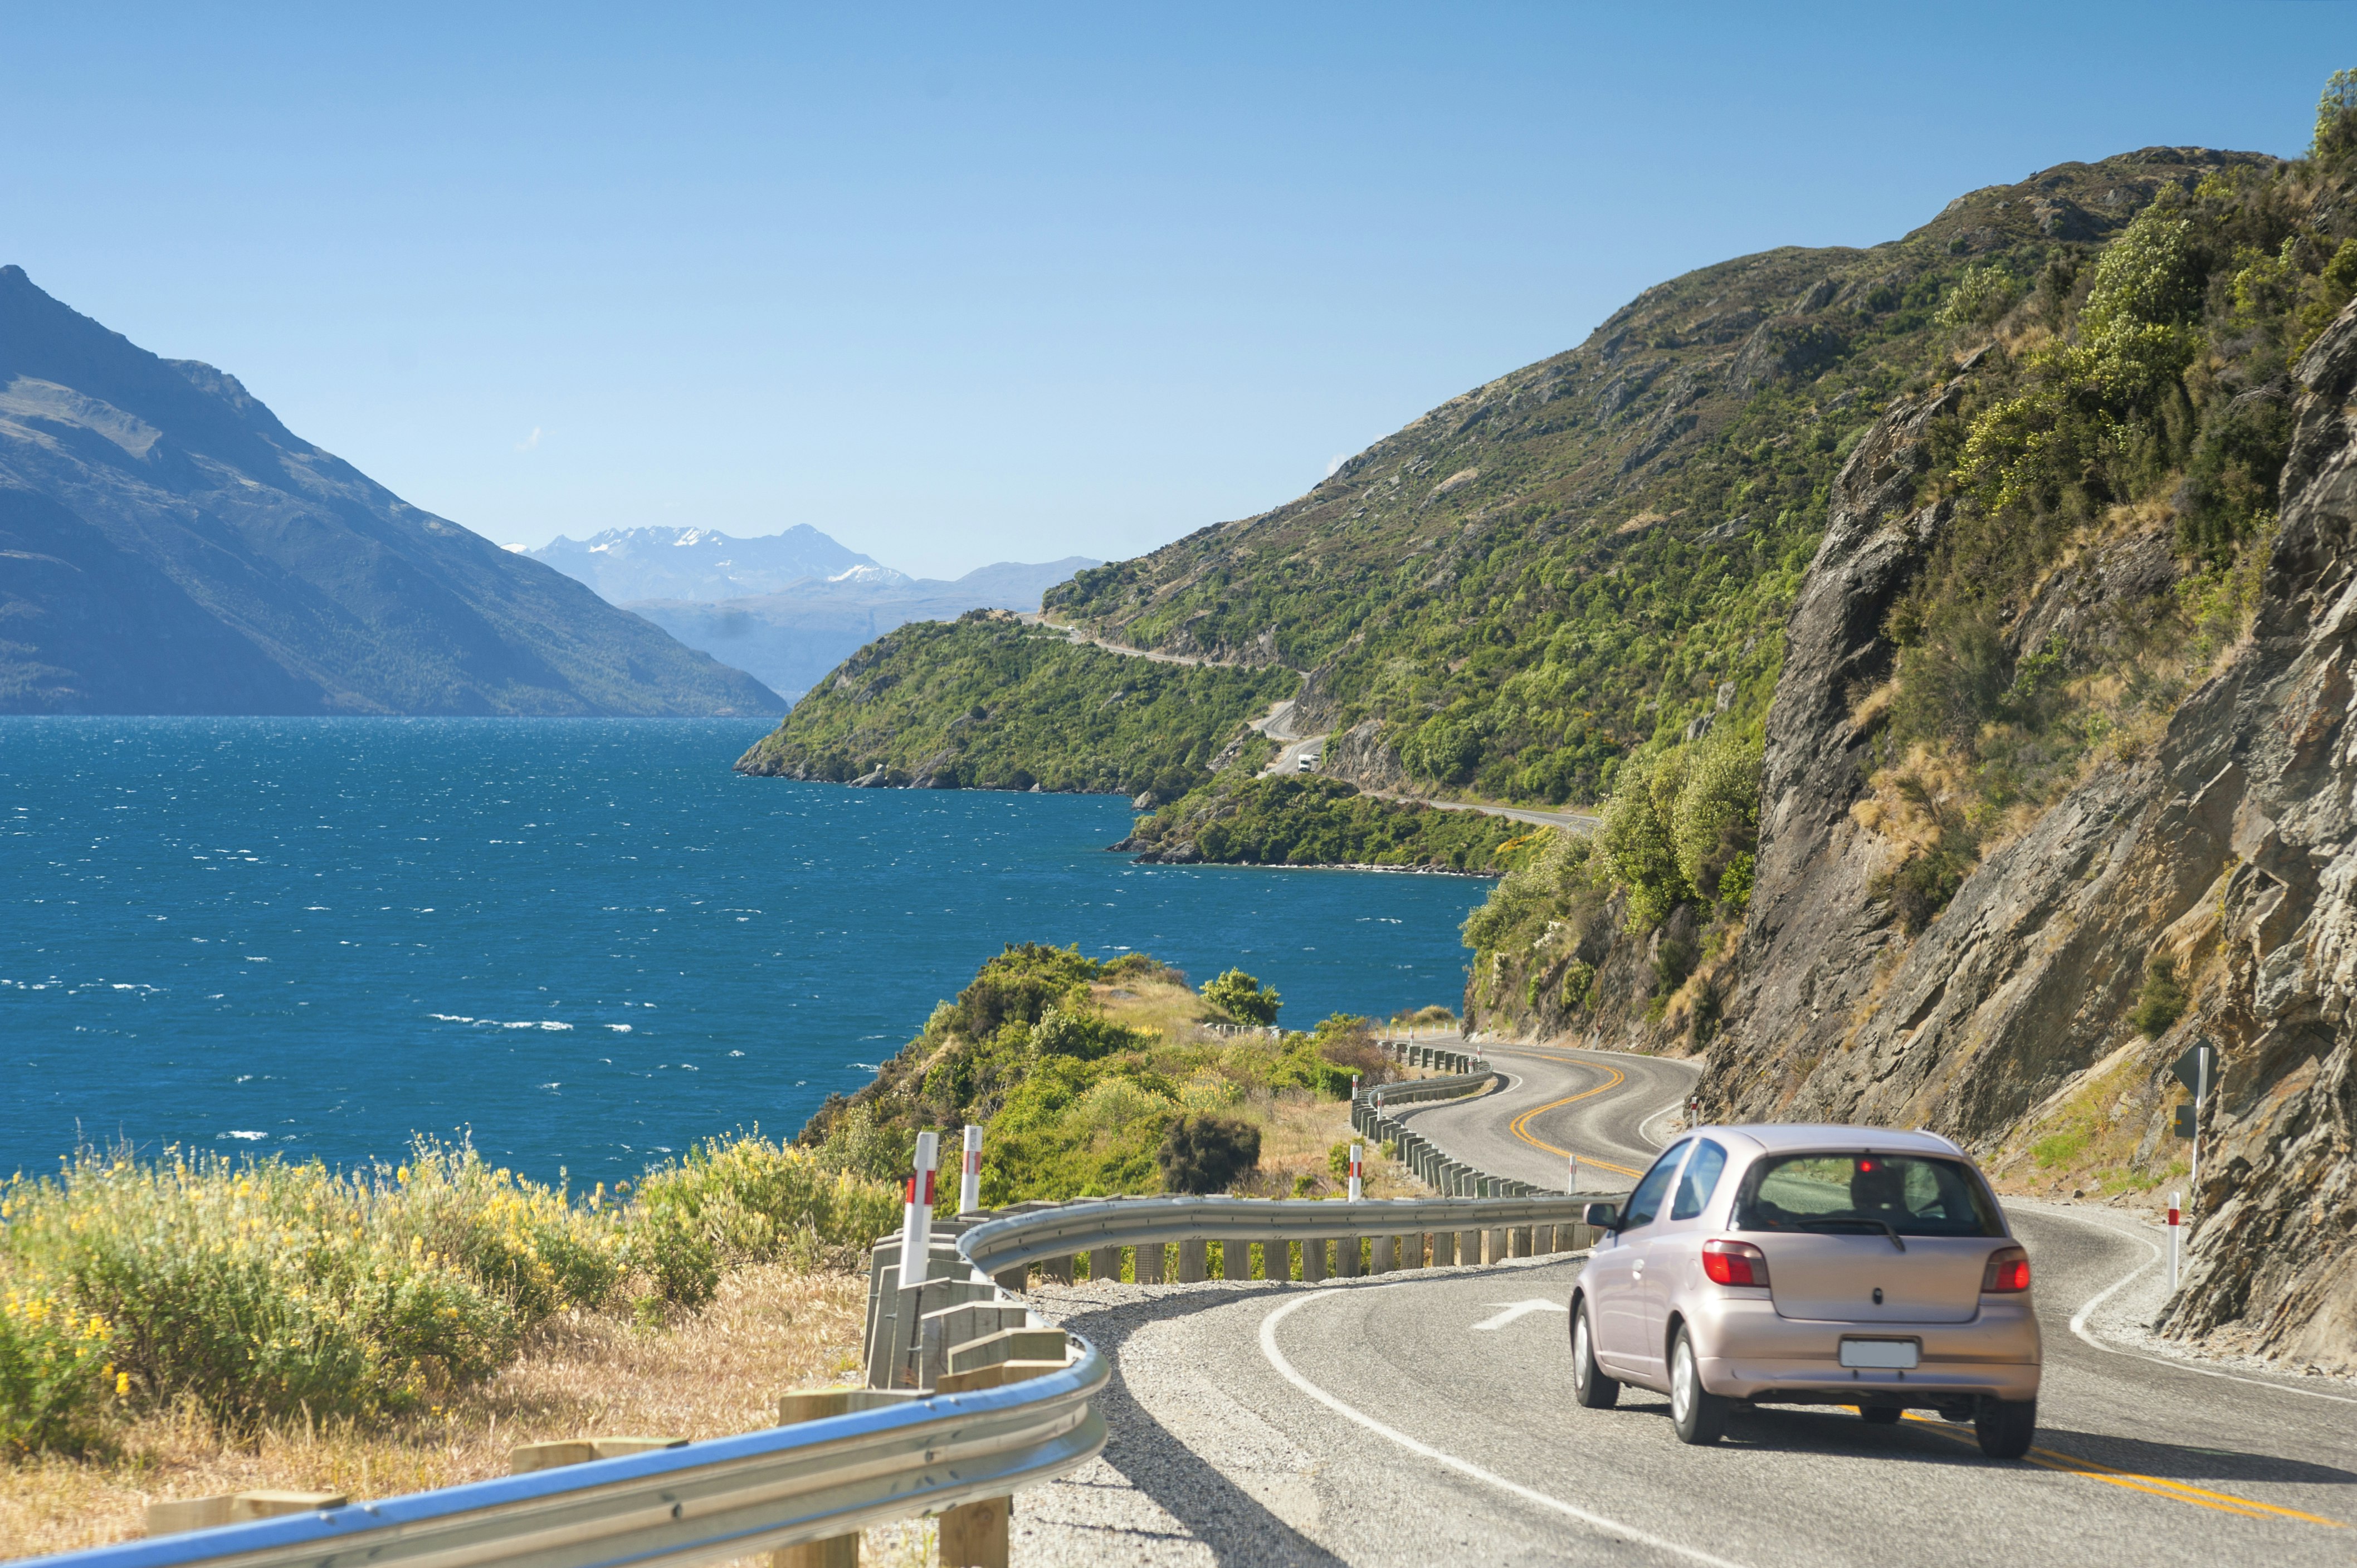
[2227, 845]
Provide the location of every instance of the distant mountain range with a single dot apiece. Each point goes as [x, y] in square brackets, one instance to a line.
[786, 606]
[701, 563]
[167, 546]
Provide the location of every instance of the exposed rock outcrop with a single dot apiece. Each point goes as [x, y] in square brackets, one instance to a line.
[2230, 845]
[1362, 755]
[1816, 928]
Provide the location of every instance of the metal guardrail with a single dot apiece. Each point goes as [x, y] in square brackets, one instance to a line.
[996, 1246]
[704, 1502]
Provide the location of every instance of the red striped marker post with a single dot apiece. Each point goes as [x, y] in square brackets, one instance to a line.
[970, 1180]
[2176, 1229]
[917, 1222]
[1358, 1157]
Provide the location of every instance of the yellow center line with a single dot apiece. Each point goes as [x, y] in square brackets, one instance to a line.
[2175, 1491]
[1520, 1125]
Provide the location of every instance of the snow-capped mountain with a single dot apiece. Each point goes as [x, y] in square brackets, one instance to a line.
[702, 564]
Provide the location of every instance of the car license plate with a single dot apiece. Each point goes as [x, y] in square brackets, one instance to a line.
[1883, 1355]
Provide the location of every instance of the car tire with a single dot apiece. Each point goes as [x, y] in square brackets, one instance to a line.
[2006, 1426]
[1699, 1415]
[1589, 1386]
[1880, 1414]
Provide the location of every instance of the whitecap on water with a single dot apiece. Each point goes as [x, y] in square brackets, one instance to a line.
[451, 1017]
[552, 1024]
[241, 1134]
[619, 1028]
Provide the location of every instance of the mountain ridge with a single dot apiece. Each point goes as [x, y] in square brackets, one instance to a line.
[174, 548]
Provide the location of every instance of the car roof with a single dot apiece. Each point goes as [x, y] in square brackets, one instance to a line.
[1785, 1137]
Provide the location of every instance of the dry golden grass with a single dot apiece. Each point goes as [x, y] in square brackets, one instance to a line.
[1297, 1133]
[1164, 1006]
[711, 1374]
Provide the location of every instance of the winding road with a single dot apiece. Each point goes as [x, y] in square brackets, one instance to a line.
[1428, 1416]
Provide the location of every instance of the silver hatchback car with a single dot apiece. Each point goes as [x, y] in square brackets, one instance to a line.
[1811, 1265]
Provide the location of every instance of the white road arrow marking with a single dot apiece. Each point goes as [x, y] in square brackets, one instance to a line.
[1520, 1309]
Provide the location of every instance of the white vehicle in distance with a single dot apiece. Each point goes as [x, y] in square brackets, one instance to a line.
[1811, 1265]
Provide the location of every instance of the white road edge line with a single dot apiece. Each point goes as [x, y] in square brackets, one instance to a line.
[1463, 1467]
[2079, 1326]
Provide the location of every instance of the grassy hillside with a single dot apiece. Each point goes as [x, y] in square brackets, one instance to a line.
[986, 703]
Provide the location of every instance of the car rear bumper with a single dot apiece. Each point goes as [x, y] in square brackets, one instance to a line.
[1747, 1351]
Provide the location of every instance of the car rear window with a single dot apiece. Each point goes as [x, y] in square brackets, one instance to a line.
[1914, 1195]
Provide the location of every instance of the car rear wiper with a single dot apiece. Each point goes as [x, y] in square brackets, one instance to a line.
[1881, 1225]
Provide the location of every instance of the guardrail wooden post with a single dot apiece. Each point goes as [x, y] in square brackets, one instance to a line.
[184, 1514]
[1313, 1259]
[1347, 1258]
[1379, 1260]
[817, 1405]
[1468, 1247]
[974, 1534]
[1149, 1262]
[1190, 1260]
[1517, 1241]
[1104, 1263]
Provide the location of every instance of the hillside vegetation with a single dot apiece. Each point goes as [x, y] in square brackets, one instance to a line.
[1079, 1070]
[987, 703]
[1598, 551]
[1242, 819]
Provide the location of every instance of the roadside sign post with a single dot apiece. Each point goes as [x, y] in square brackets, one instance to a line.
[970, 1179]
[1693, 1110]
[1572, 1181]
[916, 1223]
[1358, 1157]
[2194, 1069]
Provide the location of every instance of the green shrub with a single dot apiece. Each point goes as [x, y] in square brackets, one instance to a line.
[1241, 999]
[261, 1289]
[55, 1377]
[1206, 1154]
[1021, 984]
[748, 1199]
[2162, 1000]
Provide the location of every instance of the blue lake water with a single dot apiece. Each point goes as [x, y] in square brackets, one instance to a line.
[587, 941]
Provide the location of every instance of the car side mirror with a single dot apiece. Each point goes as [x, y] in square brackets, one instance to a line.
[1601, 1216]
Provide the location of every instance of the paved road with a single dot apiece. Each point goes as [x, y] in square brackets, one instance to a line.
[1611, 1109]
[1427, 1417]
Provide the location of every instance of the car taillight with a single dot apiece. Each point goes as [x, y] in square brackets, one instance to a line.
[2007, 1271]
[1734, 1264]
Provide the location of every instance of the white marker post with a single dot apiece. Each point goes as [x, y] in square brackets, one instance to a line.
[970, 1180]
[2176, 1229]
[1358, 1159]
[916, 1223]
[1572, 1181]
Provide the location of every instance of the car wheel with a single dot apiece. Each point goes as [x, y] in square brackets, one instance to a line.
[1699, 1415]
[2006, 1426]
[1880, 1414]
[1589, 1386]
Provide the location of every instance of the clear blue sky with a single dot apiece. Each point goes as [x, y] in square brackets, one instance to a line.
[982, 283]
